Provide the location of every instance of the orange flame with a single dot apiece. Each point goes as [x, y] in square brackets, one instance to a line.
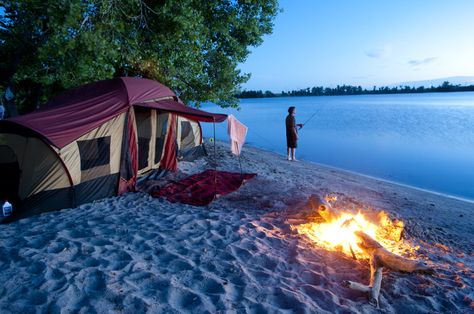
[337, 234]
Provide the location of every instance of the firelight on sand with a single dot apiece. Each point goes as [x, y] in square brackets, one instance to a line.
[338, 232]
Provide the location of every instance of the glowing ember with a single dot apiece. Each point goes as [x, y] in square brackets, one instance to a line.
[337, 233]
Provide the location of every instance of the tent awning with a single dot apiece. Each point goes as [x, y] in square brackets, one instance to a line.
[185, 111]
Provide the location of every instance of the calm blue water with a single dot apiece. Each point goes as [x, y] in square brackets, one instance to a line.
[422, 140]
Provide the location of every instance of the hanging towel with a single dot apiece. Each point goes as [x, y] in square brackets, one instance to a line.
[237, 133]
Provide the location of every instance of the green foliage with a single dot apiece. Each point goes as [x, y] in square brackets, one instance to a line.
[357, 90]
[192, 46]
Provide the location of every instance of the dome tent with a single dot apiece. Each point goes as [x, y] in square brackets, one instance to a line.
[93, 142]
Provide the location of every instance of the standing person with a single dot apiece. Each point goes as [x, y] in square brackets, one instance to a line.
[292, 133]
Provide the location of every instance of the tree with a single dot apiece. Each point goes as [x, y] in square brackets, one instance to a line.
[192, 46]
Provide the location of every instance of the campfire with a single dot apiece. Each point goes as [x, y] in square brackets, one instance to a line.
[370, 236]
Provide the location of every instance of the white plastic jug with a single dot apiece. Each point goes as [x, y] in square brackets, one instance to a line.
[7, 209]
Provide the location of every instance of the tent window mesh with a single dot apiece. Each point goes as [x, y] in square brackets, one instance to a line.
[94, 152]
[188, 138]
[186, 129]
[161, 129]
[143, 118]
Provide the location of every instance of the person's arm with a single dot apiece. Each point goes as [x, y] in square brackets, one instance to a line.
[294, 127]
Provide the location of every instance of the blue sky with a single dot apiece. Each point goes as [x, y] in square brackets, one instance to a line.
[364, 42]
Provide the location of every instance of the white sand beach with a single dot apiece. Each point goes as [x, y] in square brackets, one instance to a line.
[138, 254]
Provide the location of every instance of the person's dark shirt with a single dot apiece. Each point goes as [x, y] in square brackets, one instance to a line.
[290, 125]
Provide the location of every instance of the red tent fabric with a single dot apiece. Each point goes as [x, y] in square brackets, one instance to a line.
[185, 111]
[202, 188]
[169, 160]
[75, 112]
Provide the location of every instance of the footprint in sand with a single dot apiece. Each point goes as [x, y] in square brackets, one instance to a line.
[132, 304]
[260, 276]
[285, 299]
[139, 245]
[242, 255]
[179, 265]
[93, 281]
[182, 251]
[40, 241]
[312, 278]
[77, 233]
[165, 257]
[36, 298]
[57, 246]
[156, 288]
[267, 262]
[146, 235]
[184, 300]
[212, 286]
[326, 300]
[36, 268]
[98, 241]
[55, 280]
[91, 262]
[13, 242]
[118, 259]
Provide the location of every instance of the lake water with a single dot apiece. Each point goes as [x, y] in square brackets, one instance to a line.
[422, 140]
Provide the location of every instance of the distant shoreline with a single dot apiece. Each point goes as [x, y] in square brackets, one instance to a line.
[349, 90]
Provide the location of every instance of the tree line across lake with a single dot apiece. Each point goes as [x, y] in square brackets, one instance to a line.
[356, 90]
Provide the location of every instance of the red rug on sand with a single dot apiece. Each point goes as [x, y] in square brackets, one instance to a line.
[202, 188]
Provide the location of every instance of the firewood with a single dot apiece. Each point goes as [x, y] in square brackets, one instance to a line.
[322, 207]
[375, 282]
[380, 258]
[355, 286]
[387, 259]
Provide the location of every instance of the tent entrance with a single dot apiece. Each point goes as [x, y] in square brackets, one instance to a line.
[144, 122]
[9, 176]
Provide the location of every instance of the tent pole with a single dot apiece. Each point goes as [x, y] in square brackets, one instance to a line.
[215, 158]
[215, 150]
[240, 164]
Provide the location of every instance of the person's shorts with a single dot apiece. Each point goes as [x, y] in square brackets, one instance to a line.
[291, 141]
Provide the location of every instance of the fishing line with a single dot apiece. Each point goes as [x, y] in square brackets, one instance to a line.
[272, 145]
[312, 116]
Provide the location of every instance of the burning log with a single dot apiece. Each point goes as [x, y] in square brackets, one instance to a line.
[380, 258]
[322, 207]
[387, 259]
[376, 283]
[373, 289]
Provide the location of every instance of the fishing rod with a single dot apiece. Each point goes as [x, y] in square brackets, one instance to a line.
[309, 119]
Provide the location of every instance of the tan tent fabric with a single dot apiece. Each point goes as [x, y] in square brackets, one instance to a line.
[72, 158]
[41, 169]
